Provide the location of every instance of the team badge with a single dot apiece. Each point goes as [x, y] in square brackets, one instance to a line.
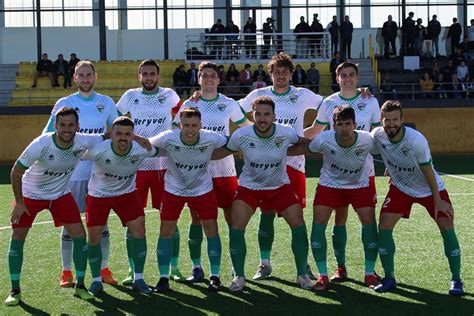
[361, 105]
[293, 97]
[176, 148]
[134, 159]
[221, 106]
[279, 141]
[76, 152]
[333, 152]
[359, 151]
[203, 148]
[100, 107]
[161, 100]
[405, 150]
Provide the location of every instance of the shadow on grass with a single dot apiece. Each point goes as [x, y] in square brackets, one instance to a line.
[31, 310]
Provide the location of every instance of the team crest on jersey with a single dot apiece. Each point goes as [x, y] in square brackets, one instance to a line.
[279, 141]
[361, 105]
[51, 157]
[203, 148]
[107, 161]
[76, 153]
[405, 150]
[134, 159]
[100, 107]
[161, 100]
[293, 97]
[221, 106]
[359, 151]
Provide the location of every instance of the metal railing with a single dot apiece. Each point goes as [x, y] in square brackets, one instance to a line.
[257, 46]
[444, 90]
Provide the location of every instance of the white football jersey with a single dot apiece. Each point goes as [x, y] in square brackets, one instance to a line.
[187, 173]
[290, 108]
[215, 116]
[343, 167]
[49, 167]
[264, 158]
[95, 114]
[367, 114]
[152, 114]
[113, 174]
[403, 160]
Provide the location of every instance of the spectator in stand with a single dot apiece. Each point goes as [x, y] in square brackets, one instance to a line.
[222, 78]
[346, 31]
[454, 32]
[218, 40]
[232, 72]
[192, 79]
[206, 41]
[426, 86]
[250, 39]
[302, 40]
[462, 73]
[434, 29]
[457, 57]
[420, 33]
[73, 60]
[455, 89]
[179, 80]
[299, 77]
[389, 34]
[61, 68]
[267, 28]
[44, 68]
[387, 91]
[435, 70]
[245, 79]
[440, 87]
[315, 40]
[333, 29]
[449, 70]
[332, 69]
[232, 89]
[312, 78]
[259, 83]
[408, 34]
[260, 72]
[467, 48]
[232, 40]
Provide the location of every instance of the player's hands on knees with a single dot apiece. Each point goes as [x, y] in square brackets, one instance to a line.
[18, 210]
[365, 91]
[195, 96]
[445, 208]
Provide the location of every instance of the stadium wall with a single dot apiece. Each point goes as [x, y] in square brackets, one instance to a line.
[443, 127]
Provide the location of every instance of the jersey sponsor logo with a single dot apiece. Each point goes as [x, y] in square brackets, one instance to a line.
[264, 166]
[100, 107]
[346, 170]
[57, 173]
[149, 121]
[360, 127]
[287, 121]
[220, 128]
[221, 106]
[91, 130]
[119, 177]
[190, 167]
[399, 168]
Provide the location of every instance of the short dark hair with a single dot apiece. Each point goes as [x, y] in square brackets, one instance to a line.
[345, 65]
[343, 113]
[148, 62]
[190, 112]
[281, 60]
[263, 100]
[123, 121]
[84, 63]
[390, 106]
[207, 65]
[64, 111]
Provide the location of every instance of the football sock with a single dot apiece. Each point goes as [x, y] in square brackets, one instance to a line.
[320, 247]
[339, 241]
[369, 240]
[79, 255]
[15, 261]
[452, 252]
[194, 243]
[176, 245]
[129, 244]
[238, 250]
[163, 254]
[139, 250]
[386, 246]
[105, 245]
[299, 245]
[266, 235]
[214, 251]
[94, 255]
[66, 250]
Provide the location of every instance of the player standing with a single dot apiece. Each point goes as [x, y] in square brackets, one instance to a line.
[96, 113]
[407, 157]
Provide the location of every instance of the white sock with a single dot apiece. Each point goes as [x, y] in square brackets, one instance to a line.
[138, 276]
[99, 279]
[265, 262]
[66, 250]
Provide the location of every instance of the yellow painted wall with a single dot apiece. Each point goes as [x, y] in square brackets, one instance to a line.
[449, 131]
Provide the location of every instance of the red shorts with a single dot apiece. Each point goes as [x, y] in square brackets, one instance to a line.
[205, 206]
[277, 199]
[126, 206]
[336, 198]
[150, 180]
[224, 189]
[63, 210]
[399, 202]
[298, 184]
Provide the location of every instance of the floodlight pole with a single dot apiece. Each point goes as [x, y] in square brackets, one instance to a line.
[38, 30]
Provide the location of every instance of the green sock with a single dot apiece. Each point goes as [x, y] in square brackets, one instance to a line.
[299, 245]
[15, 261]
[214, 251]
[369, 240]
[266, 235]
[79, 256]
[452, 252]
[94, 255]
[163, 253]
[139, 254]
[238, 250]
[194, 243]
[386, 246]
[176, 245]
[339, 241]
[320, 247]
[129, 244]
